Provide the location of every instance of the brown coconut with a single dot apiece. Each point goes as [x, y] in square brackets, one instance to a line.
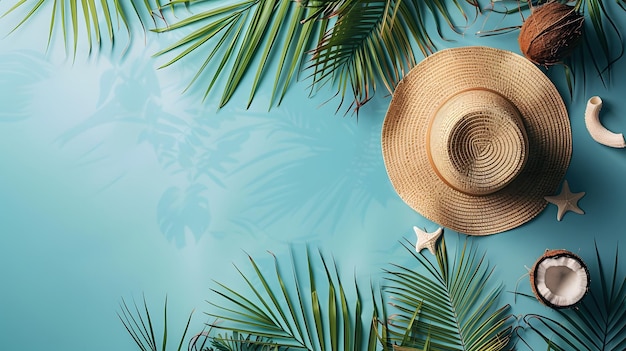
[563, 274]
[551, 33]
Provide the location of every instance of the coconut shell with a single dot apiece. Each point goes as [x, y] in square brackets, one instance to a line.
[553, 254]
[551, 33]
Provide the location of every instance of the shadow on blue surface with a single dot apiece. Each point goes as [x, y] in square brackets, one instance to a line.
[185, 143]
[20, 72]
[320, 170]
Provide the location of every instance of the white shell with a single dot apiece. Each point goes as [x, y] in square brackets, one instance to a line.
[598, 132]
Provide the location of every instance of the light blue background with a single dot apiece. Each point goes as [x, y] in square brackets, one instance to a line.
[114, 184]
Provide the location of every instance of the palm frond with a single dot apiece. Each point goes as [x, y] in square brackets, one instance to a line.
[449, 306]
[373, 41]
[238, 342]
[139, 324]
[456, 306]
[245, 33]
[307, 311]
[354, 43]
[96, 20]
[598, 323]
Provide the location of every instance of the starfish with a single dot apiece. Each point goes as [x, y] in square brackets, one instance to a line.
[426, 240]
[566, 201]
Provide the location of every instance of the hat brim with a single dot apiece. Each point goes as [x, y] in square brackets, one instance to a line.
[415, 101]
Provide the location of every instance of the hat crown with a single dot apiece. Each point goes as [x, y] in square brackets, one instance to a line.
[415, 167]
[477, 142]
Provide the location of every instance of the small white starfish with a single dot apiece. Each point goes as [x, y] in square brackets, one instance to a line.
[566, 201]
[426, 240]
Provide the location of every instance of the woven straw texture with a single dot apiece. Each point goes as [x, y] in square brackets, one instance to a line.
[474, 138]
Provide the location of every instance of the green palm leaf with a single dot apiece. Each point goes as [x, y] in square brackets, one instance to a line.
[245, 33]
[373, 41]
[455, 304]
[233, 342]
[308, 311]
[442, 306]
[354, 43]
[445, 308]
[598, 323]
[95, 19]
[139, 324]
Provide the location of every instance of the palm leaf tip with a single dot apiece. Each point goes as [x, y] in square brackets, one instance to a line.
[139, 323]
[92, 20]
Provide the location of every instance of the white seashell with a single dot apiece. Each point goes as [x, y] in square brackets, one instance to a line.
[598, 132]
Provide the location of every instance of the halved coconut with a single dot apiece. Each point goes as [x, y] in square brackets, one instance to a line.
[559, 278]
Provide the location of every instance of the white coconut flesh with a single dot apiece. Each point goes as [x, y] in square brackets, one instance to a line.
[562, 280]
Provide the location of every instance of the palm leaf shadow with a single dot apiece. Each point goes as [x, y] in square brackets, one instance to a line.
[191, 145]
[597, 323]
[311, 171]
[20, 72]
[129, 93]
[181, 210]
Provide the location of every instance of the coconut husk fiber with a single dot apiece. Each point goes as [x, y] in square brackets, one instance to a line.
[551, 33]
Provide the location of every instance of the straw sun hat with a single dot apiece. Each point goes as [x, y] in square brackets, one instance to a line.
[474, 138]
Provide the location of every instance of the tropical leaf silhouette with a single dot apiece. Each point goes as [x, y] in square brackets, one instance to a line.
[129, 93]
[181, 210]
[213, 159]
[19, 74]
[189, 144]
[96, 20]
[308, 170]
[598, 323]
[448, 305]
